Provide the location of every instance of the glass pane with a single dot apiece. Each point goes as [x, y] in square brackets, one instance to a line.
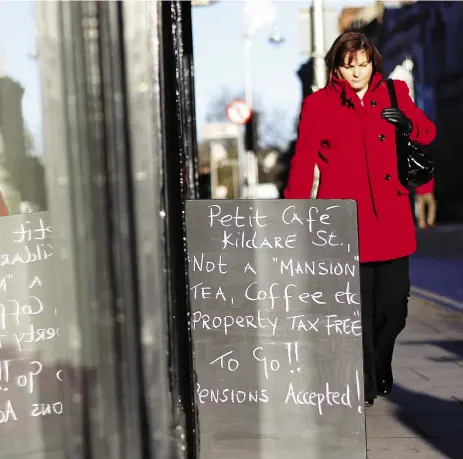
[67, 388]
[35, 370]
[21, 150]
[34, 330]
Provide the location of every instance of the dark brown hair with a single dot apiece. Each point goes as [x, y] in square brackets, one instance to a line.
[347, 44]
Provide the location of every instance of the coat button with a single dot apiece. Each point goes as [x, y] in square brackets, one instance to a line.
[373, 103]
[381, 137]
[427, 131]
[387, 177]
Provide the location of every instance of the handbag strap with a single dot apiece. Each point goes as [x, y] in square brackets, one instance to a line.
[392, 94]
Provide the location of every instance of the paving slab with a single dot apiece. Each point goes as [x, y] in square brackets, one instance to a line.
[410, 448]
[423, 416]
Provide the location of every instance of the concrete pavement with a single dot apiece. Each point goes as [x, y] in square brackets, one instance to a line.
[423, 416]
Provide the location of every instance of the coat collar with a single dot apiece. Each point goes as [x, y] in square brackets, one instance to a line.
[347, 95]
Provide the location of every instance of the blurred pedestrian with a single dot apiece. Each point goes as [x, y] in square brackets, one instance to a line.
[348, 130]
[425, 206]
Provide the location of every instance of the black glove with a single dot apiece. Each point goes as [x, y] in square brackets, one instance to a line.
[398, 118]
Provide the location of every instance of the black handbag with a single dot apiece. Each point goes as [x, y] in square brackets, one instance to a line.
[414, 166]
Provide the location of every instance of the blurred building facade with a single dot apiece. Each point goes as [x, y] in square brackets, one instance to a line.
[22, 175]
[430, 35]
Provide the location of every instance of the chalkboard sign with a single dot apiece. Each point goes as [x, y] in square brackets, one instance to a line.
[32, 355]
[274, 292]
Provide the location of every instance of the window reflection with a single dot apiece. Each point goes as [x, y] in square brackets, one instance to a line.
[22, 178]
[37, 378]
[83, 341]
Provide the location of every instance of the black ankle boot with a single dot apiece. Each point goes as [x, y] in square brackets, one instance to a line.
[369, 402]
[384, 383]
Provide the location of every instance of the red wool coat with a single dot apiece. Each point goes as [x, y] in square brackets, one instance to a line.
[354, 149]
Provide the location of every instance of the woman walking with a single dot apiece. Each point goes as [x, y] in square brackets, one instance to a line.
[347, 129]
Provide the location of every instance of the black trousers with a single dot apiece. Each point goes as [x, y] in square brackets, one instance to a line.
[384, 289]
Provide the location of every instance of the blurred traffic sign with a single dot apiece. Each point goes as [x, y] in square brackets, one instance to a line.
[239, 112]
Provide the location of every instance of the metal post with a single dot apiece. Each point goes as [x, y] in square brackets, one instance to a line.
[250, 178]
[318, 57]
[248, 69]
[319, 44]
[214, 177]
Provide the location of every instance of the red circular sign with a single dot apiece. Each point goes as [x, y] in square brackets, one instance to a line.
[239, 112]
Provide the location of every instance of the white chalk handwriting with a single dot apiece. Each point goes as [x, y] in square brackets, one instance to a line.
[283, 288]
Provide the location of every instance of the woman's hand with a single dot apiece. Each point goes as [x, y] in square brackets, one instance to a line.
[398, 118]
[425, 210]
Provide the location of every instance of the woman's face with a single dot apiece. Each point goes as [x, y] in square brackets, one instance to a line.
[358, 71]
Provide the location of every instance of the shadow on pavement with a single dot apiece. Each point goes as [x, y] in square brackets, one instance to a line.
[439, 422]
[454, 347]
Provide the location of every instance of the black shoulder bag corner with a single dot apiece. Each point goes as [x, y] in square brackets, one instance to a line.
[414, 166]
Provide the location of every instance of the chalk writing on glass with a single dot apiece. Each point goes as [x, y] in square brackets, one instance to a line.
[28, 325]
